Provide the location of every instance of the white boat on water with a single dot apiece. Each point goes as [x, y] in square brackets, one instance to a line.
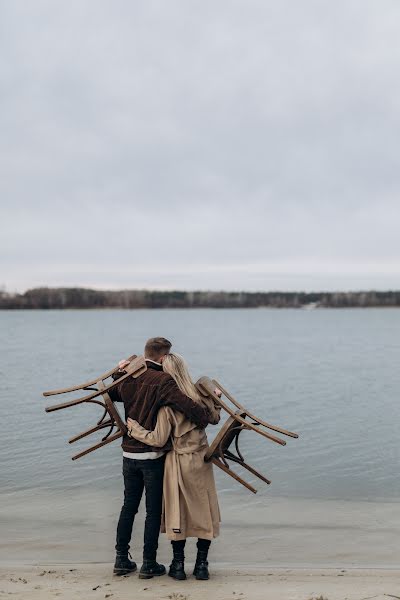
[310, 306]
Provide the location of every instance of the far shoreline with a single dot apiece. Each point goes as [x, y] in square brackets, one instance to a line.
[193, 308]
[85, 298]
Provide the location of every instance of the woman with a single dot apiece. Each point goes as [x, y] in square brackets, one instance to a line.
[190, 504]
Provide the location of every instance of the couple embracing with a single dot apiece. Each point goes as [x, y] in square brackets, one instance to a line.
[163, 455]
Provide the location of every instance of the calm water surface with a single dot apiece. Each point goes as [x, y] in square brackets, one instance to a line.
[331, 375]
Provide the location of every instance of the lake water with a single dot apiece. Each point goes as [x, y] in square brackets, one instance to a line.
[331, 375]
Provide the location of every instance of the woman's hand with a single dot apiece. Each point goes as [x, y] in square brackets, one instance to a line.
[129, 423]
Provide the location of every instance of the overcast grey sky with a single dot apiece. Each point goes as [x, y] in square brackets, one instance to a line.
[200, 144]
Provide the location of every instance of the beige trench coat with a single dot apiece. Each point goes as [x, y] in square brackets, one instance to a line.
[190, 503]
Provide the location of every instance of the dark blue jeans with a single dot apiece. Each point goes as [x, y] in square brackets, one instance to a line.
[141, 475]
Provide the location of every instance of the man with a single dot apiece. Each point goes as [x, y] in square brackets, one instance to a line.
[143, 466]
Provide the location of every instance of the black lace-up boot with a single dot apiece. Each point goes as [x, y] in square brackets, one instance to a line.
[151, 568]
[177, 567]
[201, 566]
[123, 565]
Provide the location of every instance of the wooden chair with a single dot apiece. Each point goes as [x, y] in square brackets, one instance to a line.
[219, 451]
[111, 418]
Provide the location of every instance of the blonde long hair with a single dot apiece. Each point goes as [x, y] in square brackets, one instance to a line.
[175, 365]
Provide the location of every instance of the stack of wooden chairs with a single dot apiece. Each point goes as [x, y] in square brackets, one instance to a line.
[221, 448]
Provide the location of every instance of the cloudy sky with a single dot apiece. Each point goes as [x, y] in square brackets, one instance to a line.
[206, 144]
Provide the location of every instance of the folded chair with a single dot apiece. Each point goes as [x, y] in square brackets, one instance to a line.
[99, 387]
[239, 418]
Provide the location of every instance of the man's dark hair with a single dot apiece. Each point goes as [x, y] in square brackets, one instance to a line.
[156, 347]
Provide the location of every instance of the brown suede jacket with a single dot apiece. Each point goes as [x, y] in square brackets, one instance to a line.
[144, 396]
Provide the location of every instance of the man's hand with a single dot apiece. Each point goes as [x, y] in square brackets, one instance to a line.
[218, 392]
[122, 364]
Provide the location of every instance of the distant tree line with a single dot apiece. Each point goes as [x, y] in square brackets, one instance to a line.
[59, 298]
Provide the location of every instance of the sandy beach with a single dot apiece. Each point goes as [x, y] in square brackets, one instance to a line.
[303, 550]
[95, 581]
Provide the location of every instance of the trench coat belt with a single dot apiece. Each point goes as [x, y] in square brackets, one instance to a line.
[176, 479]
[189, 450]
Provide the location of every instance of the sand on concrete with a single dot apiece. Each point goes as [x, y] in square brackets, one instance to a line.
[95, 581]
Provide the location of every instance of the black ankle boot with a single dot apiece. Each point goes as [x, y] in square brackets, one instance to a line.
[177, 567]
[151, 568]
[123, 565]
[201, 566]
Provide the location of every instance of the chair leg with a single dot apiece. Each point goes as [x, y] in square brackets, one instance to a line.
[258, 421]
[99, 445]
[229, 471]
[82, 386]
[89, 431]
[246, 466]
